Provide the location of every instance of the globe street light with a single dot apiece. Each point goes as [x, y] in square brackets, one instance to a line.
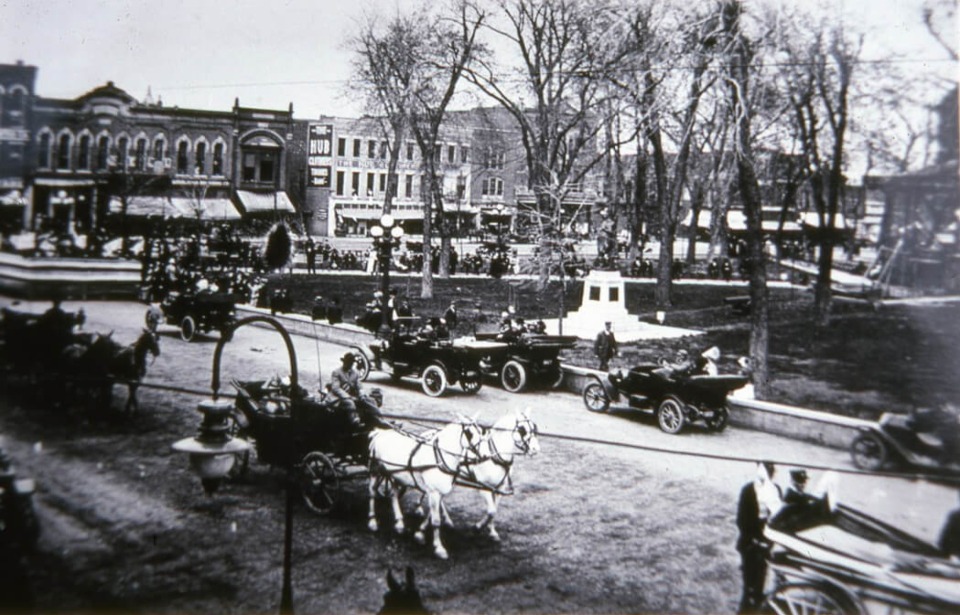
[386, 236]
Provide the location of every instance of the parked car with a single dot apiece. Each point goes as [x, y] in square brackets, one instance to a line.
[532, 359]
[201, 311]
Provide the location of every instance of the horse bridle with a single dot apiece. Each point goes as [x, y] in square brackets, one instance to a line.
[523, 431]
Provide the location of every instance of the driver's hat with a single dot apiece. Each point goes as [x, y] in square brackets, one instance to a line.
[799, 476]
[348, 357]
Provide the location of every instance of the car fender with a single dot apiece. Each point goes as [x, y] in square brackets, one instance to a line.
[612, 391]
[367, 353]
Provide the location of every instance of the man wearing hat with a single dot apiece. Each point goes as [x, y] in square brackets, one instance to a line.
[345, 386]
[796, 491]
[758, 500]
[605, 346]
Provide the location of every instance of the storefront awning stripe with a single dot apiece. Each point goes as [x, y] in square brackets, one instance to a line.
[146, 206]
[210, 209]
[255, 202]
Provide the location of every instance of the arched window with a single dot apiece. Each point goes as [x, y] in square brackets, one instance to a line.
[83, 156]
[123, 150]
[63, 152]
[218, 159]
[200, 157]
[182, 157]
[43, 151]
[140, 159]
[16, 100]
[103, 153]
[158, 150]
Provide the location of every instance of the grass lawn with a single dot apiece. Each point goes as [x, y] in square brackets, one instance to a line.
[863, 363]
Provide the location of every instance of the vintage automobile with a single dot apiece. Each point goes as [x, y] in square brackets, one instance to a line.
[200, 311]
[531, 359]
[923, 441]
[676, 399]
[409, 350]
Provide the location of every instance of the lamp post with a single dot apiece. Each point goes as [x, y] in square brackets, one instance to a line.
[385, 236]
[500, 209]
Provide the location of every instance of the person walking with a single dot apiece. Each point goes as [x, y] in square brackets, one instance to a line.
[605, 346]
[759, 499]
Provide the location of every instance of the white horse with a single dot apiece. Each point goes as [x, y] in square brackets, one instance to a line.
[511, 435]
[399, 460]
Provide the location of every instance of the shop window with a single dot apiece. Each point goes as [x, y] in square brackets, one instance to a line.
[218, 159]
[341, 147]
[63, 152]
[200, 157]
[182, 166]
[103, 153]
[340, 182]
[140, 155]
[43, 151]
[260, 165]
[83, 156]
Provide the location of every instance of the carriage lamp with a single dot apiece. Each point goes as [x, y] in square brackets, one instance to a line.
[213, 450]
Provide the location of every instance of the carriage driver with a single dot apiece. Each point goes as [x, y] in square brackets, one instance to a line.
[345, 386]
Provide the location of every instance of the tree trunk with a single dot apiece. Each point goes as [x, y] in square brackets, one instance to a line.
[695, 206]
[759, 309]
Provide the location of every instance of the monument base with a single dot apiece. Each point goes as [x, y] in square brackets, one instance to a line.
[603, 300]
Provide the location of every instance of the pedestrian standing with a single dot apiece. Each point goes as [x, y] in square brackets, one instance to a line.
[605, 346]
[450, 315]
[759, 499]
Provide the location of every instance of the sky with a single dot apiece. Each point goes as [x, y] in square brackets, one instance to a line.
[268, 53]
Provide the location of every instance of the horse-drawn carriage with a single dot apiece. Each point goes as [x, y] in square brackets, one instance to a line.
[677, 399]
[410, 350]
[53, 358]
[530, 359]
[830, 558]
[201, 311]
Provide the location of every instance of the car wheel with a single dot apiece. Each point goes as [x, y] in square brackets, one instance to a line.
[513, 376]
[362, 364]
[319, 482]
[670, 416]
[433, 381]
[868, 452]
[188, 328]
[595, 397]
[471, 384]
[720, 420]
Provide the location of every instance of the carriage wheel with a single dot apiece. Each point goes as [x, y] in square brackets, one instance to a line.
[513, 376]
[319, 482]
[720, 420]
[868, 452]
[595, 398]
[670, 416]
[188, 328]
[362, 364]
[809, 599]
[471, 384]
[433, 381]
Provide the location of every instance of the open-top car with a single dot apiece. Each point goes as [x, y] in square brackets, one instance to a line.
[677, 399]
[412, 349]
[531, 359]
[200, 312]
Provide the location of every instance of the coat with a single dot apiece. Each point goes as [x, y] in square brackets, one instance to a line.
[605, 346]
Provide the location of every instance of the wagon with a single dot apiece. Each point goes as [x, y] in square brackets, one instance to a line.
[836, 559]
[201, 312]
[438, 363]
[294, 431]
[531, 359]
[676, 400]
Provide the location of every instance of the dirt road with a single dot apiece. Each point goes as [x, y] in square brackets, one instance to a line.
[592, 528]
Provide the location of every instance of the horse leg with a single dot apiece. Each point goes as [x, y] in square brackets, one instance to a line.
[398, 526]
[132, 405]
[491, 499]
[445, 518]
[435, 502]
[374, 486]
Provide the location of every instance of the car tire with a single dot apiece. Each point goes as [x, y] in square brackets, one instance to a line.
[362, 364]
[719, 422]
[513, 376]
[869, 452]
[670, 416]
[471, 385]
[433, 381]
[595, 397]
[188, 329]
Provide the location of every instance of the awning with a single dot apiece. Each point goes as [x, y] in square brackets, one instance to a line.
[256, 202]
[11, 197]
[63, 182]
[362, 212]
[212, 209]
[146, 206]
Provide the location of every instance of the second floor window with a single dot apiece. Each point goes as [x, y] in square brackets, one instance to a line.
[451, 154]
[340, 182]
[356, 148]
[182, 157]
[371, 149]
[370, 180]
[218, 159]
[260, 165]
[409, 151]
[123, 147]
[355, 184]
[63, 152]
[201, 158]
[140, 156]
[408, 187]
[341, 147]
[83, 156]
[43, 152]
[103, 153]
[158, 150]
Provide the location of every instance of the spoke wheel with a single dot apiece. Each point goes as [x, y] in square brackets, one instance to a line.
[319, 482]
[808, 599]
[720, 420]
[868, 452]
[362, 364]
[513, 376]
[188, 328]
[433, 381]
[595, 398]
[471, 385]
[670, 416]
